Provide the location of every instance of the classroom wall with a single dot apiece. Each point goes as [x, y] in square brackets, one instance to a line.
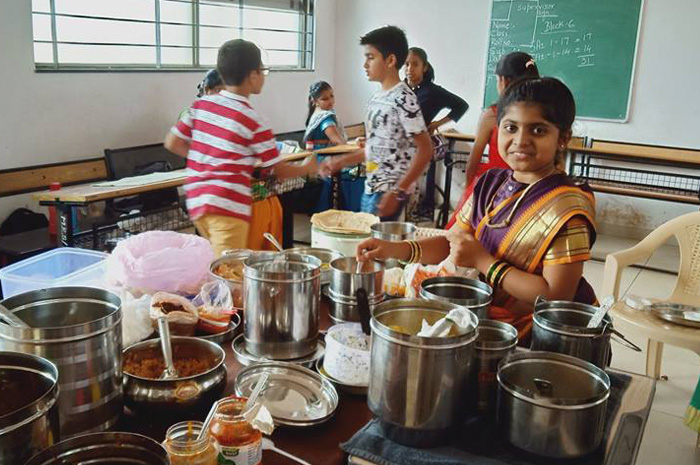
[53, 117]
[455, 35]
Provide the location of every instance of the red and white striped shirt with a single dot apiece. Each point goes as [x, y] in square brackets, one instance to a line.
[227, 138]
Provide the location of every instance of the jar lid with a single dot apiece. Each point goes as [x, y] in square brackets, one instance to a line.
[457, 290]
[553, 380]
[295, 396]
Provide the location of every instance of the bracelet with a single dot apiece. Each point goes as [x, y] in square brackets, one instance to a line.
[419, 252]
[500, 274]
[413, 252]
[492, 269]
[494, 273]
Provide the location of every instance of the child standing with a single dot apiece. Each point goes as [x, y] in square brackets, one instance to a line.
[223, 138]
[529, 228]
[398, 148]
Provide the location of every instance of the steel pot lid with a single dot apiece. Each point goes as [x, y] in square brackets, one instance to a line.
[553, 380]
[283, 267]
[399, 320]
[496, 335]
[295, 396]
[569, 318]
[245, 358]
[457, 290]
[113, 448]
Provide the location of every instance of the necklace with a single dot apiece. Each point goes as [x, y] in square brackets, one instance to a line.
[506, 222]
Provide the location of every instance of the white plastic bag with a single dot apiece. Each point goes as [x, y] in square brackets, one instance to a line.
[160, 261]
[136, 322]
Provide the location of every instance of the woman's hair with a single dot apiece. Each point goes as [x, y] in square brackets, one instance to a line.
[315, 91]
[211, 80]
[555, 100]
[516, 65]
[429, 74]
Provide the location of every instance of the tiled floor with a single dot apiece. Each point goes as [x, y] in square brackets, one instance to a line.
[666, 440]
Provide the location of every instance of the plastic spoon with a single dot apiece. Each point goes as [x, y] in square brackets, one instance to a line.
[205, 426]
[267, 444]
[597, 318]
[11, 318]
[259, 386]
[170, 372]
[274, 242]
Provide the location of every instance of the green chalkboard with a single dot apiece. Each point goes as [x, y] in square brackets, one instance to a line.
[588, 44]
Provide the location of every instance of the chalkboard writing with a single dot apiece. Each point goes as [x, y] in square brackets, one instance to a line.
[589, 44]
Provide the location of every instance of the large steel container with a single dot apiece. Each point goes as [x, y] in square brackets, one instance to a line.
[281, 300]
[552, 404]
[104, 448]
[28, 406]
[419, 386]
[496, 340]
[470, 293]
[78, 329]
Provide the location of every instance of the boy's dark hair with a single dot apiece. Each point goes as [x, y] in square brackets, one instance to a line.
[211, 80]
[429, 74]
[516, 65]
[552, 96]
[315, 91]
[389, 40]
[237, 59]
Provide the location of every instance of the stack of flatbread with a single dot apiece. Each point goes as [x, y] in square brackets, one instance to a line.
[344, 222]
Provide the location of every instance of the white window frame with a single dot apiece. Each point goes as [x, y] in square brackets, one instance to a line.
[306, 29]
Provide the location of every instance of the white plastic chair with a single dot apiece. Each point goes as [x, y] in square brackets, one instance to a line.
[686, 229]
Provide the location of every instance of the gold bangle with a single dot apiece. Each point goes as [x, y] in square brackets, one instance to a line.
[410, 257]
[503, 275]
[492, 268]
[419, 256]
[500, 274]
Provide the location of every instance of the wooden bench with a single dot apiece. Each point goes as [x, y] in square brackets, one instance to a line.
[637, 170]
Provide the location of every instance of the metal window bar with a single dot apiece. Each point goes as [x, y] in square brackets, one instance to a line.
[305, 50]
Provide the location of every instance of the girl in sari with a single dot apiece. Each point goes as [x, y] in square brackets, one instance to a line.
[528, 228]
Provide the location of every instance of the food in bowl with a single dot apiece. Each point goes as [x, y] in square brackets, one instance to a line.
[182, 316]
[347, 354]
[232, 270]
[152, 367]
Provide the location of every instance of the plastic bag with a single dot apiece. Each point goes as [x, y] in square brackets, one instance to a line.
[415, 274]
[160, 261]
[136, 322]
[215, 305]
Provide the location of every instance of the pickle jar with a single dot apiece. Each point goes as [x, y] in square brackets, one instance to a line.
[184, 448]
[239, 443]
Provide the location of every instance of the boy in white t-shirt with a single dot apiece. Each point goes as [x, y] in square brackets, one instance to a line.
[398, 147]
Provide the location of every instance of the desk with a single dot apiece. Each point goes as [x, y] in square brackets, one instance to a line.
[452, 157]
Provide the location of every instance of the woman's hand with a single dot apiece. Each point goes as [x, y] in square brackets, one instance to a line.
[432, 127]
[373, 249]
[467, 252]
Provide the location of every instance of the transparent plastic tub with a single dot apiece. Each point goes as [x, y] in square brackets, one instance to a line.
[65, 266]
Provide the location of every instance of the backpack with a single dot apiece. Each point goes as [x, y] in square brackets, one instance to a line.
[23, 220]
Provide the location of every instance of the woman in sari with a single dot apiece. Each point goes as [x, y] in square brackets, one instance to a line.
[529, 228]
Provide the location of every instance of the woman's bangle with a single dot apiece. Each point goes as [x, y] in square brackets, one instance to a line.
[494, 272]
[416, 252]
[412, 252]
[500, 274]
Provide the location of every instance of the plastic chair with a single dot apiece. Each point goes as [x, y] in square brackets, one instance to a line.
[686, 229]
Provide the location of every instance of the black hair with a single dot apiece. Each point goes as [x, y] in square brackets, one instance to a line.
[516, 65]
[211, 80]
[236, 60]
[389, 40]
[554, 99]
[429, 74]
[315, 91]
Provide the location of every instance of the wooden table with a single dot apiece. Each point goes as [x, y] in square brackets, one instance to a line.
[317, 445]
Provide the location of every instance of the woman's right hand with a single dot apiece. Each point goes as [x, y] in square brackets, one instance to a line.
[373, 249]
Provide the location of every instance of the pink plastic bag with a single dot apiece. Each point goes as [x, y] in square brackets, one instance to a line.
[156, 261]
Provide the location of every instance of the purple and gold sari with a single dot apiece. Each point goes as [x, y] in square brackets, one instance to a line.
[552, 224]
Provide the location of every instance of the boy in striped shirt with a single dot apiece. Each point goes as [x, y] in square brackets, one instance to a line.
[224, 139]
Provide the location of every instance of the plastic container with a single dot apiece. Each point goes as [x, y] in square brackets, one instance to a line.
[344, 359]
[65, 266]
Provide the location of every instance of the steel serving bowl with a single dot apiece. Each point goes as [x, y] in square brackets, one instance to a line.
[394, 231]
[182, 394]
[325, 255]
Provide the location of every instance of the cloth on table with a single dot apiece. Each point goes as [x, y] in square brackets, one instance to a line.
[478, 442]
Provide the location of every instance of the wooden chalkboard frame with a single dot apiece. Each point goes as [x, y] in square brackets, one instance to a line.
[633, 72]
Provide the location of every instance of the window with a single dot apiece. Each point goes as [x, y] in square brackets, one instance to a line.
[168, 34]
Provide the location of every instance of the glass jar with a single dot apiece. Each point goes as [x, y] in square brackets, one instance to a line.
[184, 448]
[239, 443]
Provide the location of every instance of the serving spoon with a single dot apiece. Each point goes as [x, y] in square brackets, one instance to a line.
[169, 372]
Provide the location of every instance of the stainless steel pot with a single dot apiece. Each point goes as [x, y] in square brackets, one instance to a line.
[560, 326]
[496, 340]
[181, 395]
[345, 281]
[470, 293]
[418, 386]
[28, 406]
[552, 404]
[325, 255]
[281, 300]
[394, 231]
[343, 309]
[235, 286]
[78, 329]
[111, 448]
